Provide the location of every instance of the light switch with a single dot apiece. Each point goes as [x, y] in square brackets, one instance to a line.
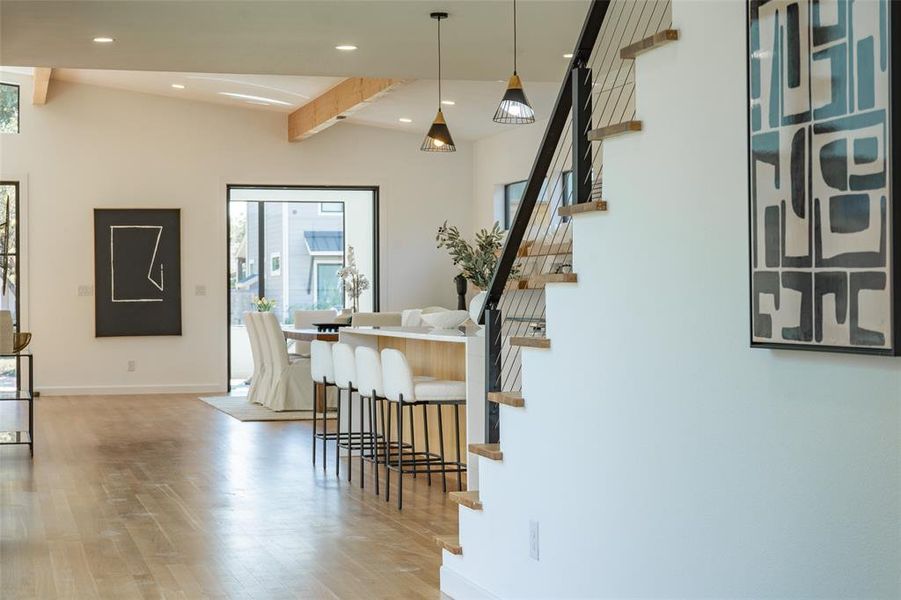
[86, 290]
[200, 290]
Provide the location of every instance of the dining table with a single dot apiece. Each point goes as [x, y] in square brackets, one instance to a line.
[309, 334]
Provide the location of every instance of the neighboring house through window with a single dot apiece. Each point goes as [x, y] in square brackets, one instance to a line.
[9, 108]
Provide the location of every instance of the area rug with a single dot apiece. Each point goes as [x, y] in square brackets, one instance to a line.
[239, 408]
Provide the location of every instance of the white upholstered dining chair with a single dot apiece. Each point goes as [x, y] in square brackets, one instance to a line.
[291, 387]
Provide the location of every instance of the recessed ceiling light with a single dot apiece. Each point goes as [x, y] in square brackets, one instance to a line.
[405, 120]
[448, 102]
[346, 47]
[256, 98]
[568, 55]
[178, 86]
[103, 40]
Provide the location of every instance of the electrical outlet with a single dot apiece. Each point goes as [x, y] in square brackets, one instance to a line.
[131, 366]
[86, 290]
[200, 290]
[533, 540]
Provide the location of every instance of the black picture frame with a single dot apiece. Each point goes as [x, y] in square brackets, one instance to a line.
[137, 272]
[893, 180]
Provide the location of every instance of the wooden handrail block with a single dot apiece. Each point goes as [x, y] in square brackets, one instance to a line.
[649, 43]
[585, 207]
[602, 133]
[451, 543]
[530, 341]
[513, 399]
[468, 499]
[490, 451]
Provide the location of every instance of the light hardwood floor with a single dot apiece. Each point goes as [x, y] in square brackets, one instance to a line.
[166, 497]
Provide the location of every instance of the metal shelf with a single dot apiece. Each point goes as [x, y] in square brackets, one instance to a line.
[15, 395]
[8, 438]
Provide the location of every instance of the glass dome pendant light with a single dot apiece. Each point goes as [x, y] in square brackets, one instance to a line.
[438, 139]
[514, 108]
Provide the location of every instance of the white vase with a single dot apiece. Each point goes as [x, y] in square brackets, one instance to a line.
[475, 306]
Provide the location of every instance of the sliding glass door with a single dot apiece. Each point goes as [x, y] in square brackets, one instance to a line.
[287, 244]
[9, 273]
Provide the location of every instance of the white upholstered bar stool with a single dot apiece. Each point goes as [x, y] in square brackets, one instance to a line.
[403, 389]
[345, 376]
[322, 371]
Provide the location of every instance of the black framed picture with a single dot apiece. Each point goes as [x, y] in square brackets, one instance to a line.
[821, 100]
[137, 272]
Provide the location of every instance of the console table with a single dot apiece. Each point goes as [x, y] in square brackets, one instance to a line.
[26, 395]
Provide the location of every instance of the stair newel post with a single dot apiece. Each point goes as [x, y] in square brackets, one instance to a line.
[493, 346]
[581, 81]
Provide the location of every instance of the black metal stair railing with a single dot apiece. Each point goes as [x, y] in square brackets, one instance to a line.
[598, 91]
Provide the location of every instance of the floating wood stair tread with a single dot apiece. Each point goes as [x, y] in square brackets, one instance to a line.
[585, 207]
[451, 543]
[492, 451]
[535, 248]
[530, 341]
[537, 282]
[513, 399]
[468, 499]
[649, 43]
[596, 135]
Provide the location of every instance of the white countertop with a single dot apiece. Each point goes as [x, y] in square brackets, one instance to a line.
[416, 333]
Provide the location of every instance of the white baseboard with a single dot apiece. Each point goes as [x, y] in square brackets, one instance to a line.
[125, 390]
[457, 587]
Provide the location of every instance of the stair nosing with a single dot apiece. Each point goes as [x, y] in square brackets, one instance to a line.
[586, 207]
[489, 451]
[529, 341]
[449, 543]
[466, 499]
[661, 38]
[603, 133]
[513, 399]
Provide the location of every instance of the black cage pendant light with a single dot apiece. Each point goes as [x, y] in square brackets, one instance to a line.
[438, 139]
[514, 108]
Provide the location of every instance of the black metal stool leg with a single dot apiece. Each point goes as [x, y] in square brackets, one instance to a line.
[413, 436]
[388, 456]
[350, 430]
[324, 424]
[374, 446]
[441, 449]
[315, 397]
[425, 428]
[457, 447]
[400, 454]
[338, 436]
[362, 443]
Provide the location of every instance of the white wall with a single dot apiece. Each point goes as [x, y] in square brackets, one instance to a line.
[661, 456]
[497, 160]
[91, 147]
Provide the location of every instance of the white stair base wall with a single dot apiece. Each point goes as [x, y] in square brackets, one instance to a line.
[660, 454]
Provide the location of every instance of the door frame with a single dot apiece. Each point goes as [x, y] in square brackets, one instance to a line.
[376, 275]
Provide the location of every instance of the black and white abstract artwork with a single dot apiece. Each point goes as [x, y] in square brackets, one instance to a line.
[821, 214]
[137, 272]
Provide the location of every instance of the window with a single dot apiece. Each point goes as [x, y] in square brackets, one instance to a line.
[9, 108]
[9, 272]
[512, 195]
[326, 208]
[327, 291]
[275, 264]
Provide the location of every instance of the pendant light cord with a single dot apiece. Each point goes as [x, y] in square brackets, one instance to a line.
[514, 37]
[439, 63]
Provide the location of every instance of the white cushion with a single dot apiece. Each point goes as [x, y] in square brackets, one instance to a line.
[439, 389]
[411, 317]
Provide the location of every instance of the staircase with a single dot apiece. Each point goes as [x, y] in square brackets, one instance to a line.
[596, 104]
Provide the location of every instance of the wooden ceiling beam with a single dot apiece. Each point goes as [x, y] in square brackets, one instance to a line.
[41, 84]
[340, 101]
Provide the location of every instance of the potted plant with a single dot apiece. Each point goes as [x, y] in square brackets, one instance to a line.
[354, 282]
[263, 304]
[476, 262]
